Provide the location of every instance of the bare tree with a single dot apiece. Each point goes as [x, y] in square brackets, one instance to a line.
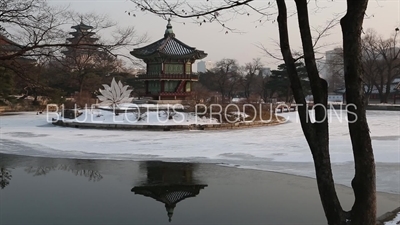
[334, 69]
[202, 93]
[319, 33]
[92, 175]
[32, 34]
[249, 78]
[363, 211]
[223, 78]
[33, 25]
[262, 80]
[382, 62]
[5, 177]
[37, 29]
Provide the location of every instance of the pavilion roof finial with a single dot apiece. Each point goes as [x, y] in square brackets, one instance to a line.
[169, 31]
[81, 17]
[170, 211]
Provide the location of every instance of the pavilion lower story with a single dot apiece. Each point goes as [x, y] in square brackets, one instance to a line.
[168, 89]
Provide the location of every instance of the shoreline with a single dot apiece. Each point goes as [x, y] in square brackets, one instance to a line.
[381, 218]
[163, 127]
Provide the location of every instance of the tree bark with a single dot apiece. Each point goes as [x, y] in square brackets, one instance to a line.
[319, 88]
[364, 208]
[363, 211]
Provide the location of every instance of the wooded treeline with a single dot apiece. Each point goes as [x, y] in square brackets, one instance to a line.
[57, 53]
[381, 65]
[251, 82]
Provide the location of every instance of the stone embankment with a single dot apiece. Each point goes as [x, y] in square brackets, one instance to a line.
[4, 109]
[384, 107]
[389, 216]
[222, 126]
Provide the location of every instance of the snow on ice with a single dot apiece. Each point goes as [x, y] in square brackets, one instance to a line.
[279, 148]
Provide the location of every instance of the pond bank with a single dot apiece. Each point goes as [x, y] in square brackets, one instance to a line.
[116, 126]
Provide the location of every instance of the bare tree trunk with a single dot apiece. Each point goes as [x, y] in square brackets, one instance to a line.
[380, 91]
[385, 97]
[287, 94]
[319, 133]
[363, 211]
[387, 88]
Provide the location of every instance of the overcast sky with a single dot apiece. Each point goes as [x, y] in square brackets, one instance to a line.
[383, 16]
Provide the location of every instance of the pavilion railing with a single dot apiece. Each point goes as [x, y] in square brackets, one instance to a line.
[169, 94]
[170, 76]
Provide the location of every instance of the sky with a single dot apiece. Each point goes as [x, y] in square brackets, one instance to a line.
[244, 45]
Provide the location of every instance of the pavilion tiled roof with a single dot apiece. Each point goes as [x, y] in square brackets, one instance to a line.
[82, 26]
[7, 45]
[168, 46]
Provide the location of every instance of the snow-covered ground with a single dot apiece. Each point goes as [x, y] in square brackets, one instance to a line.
[279, 148]
[395, 221]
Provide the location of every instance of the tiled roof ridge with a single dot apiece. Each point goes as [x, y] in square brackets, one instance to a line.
[162, 46]
[9, 41]
[183, 44]
[149, 45]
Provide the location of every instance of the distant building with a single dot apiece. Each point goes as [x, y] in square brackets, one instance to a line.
[336, 53]
[334, 69]
[389, 53]
[397, 88]
[373, 93]
[82, 41]
[332, 98]
[8, 47]
[203, 66]
[265, 72]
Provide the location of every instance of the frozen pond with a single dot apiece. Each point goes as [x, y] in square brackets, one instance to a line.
[39, 190]
[275, 148]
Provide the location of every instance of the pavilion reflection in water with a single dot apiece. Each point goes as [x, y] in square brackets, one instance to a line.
[169, 183]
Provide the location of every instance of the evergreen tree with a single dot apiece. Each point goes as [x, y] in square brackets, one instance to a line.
[279, 82]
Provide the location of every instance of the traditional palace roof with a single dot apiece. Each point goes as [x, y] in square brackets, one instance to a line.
[82, 34]
[82, 37]
[170, 195]
[397, 87]
[7, 46]
[169, 47]
[82, 27]
[169, 183]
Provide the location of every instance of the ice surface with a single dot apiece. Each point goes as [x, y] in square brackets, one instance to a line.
[279, 148]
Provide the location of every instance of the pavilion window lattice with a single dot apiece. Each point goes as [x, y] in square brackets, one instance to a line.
[154, 69]
[170, 86]
[154, 87]
[173, 69]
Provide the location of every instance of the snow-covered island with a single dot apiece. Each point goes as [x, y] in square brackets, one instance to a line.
[116, 111]
[163, 117]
